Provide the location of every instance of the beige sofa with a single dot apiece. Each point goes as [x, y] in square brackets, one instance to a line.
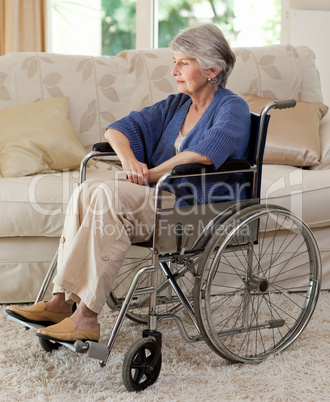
[102, 89]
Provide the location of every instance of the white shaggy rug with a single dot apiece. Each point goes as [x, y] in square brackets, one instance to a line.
[190, 372]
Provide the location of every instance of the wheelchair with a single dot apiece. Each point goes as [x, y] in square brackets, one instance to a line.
[246, 275]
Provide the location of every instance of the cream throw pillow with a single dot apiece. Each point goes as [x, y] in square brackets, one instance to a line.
[38, 137]
[293, 134]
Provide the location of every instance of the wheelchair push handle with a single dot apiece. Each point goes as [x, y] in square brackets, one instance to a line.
[278, 104]
[285, 104]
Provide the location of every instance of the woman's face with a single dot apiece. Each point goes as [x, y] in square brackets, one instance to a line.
[190, 76]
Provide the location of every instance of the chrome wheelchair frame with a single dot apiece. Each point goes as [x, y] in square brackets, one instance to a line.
[234, 280]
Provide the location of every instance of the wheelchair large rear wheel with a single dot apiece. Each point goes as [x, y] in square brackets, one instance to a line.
[167, 300]
[258, 283]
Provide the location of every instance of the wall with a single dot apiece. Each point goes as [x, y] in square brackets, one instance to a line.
[307, 22]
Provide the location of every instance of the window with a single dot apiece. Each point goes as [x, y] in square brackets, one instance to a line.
[243, 22]
[107, 27]
[74, 27]
[174, 15]
[118, 26]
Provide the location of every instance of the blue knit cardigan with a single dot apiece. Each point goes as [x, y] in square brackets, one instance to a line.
[222, 133]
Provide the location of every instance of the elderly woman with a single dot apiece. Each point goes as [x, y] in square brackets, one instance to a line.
[204, 123]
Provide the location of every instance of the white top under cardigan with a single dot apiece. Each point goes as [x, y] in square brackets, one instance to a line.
[178, 143]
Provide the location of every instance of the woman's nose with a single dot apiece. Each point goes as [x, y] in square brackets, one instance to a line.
[174, 71]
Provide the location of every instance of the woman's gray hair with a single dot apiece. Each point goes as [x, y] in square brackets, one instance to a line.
[207, 44]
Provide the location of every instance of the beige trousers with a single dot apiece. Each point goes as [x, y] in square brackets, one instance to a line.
[103, 219]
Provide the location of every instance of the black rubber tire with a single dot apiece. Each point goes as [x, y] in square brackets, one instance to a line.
[256, 290]
[47, 345]
[136, 372]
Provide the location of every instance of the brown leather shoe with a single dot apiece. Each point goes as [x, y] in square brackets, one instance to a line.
[37, 314]
[66, 331]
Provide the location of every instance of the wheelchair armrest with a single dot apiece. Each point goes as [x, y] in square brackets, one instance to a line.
[199, 168]
[102, 147]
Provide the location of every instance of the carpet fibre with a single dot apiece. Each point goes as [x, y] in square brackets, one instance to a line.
[190, 371]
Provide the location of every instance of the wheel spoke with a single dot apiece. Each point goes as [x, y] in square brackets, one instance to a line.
[257, 297]
[136, 373]
[167, 300]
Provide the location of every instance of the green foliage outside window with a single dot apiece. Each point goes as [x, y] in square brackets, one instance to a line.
[118, 26]
[118, 22]
[272, 28]
[175, 15]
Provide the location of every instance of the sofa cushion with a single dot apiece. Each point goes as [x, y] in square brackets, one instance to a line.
[100, 89]
[276, 71]
[271, 71]
[38, 137]
[293, 135]
[36, 205]
[310, 86]
[304, 192]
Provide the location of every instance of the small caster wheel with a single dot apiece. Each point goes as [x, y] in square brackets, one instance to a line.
[48, 345]
[137, 372]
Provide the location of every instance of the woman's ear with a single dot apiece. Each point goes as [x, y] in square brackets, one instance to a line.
[213, 72]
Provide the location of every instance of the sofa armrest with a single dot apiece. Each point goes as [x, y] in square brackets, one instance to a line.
[325, 144]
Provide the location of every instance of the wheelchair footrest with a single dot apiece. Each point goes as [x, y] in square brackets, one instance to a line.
[27, 325]
[94, 350]
[35, 326]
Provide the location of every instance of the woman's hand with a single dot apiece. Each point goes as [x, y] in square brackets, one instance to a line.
[136, 171]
